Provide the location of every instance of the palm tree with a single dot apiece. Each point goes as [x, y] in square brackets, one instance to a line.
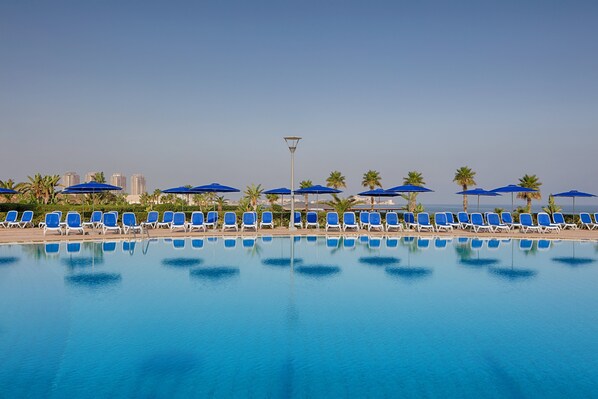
[50, 182]
[305, 184]
[272, 199]
[342, 205]
[552, 207]
[10, 185]
[371, 179]
[416, 179]
[253, 193]
[220, 202]
[98, 177]
[35, 187]
[530, 181]
[464, 177]
[336, 180]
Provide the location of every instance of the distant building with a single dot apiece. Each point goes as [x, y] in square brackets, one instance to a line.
[119, 180]
[138, 184]
[89, 176]
[70, 179]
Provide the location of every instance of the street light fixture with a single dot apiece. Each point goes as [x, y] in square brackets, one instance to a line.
[292, 142]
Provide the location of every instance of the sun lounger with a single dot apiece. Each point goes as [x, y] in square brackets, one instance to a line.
[586, 221]
[179, 221]
[507, 219]
[26, 220]
[350, 221]
[311, 219]
[230, 222]
[409, 220]
[197, 221]
[248, 221]
[110, 223]
[95, 220]
[441, 222]
[151, 221]
[212, 219]
[545, 224]
[167, 218]
[559, 219]
[450, 219]
[495, 223]
[11, 217]
[52, 223]
[297, 220]
[392, 222]
[130, 223]
[375, 222]
[364, 219]
[527, 223]
[463, 219]
[267, 220]
[477, 223]
[73, 223]
[332, 221]
[423, 222]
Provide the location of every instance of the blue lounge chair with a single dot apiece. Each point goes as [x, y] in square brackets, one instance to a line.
[476, 243]
[26, 220]
[110, 223]
[423, 222]
[179, 221]
[450, 219]
[544, 245]
[374, 242]
[248, 221]
[332, 221]
[507, 219]
[197, 221]
[463, 219]
[545, 224]
[364, 219]
[441, 222]
[493, 244]
[297, 220]
[152, 220]
[311, 219]
[230, 242]
[423, 243]
[495, 223]
[73, 223]
[52, 223]
[197, 243]
[392, 242]
[392, 222]
[477, 222]
[212, 219]
[350, 221]
[440, 243]
[375, 222]
[11, 217]
[409, 220]
[167, 218]
[95, 220]
[586, 221]
[267, 220]
[559, 219]
[527, 223]
[526, 245]
[130, 223]
[349, 242]
[230, 222]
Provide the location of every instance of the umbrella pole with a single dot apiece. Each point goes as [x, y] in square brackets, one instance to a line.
[281, 208]
[512, 203]
[478, 203]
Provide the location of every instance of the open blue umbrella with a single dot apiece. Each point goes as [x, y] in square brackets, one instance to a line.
[92, 187]
[317, 189]
[410, 188]
[512, 188]
[378, 192]
[574, 194]
[282, 191]
[478, 192]
[7, 191]
[180, 190]
[215, 188]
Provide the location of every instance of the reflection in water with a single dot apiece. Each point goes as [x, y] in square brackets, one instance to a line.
[318, 270]
[129, 247]
[197, 243]
[332, 242]
[77, 262]
[440, 243]
[408, 273]
[493, 243]
[73, 247]
[349, 242]
[478, 261]
[109, 246]
[178, 243]
[280, 262]
[181, 262]
[52, 248]
[249, 242]
[93, 280]
[170, 363]
[230, 243]
[573, 261]
[374, 242]
[379, 260]
[392, 242]
[215, 273]
[512, 274]
[8, 260]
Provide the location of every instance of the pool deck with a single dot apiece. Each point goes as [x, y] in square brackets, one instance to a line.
[33, 235]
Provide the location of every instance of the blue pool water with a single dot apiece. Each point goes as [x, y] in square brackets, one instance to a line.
[353, 317]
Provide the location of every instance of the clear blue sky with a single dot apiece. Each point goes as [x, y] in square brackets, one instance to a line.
[193, 93]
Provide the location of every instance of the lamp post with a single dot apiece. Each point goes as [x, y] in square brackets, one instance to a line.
[292, 142]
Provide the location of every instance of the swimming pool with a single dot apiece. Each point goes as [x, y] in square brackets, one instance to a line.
[353, 316]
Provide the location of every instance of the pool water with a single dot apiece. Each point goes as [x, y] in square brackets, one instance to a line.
[300, 317]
